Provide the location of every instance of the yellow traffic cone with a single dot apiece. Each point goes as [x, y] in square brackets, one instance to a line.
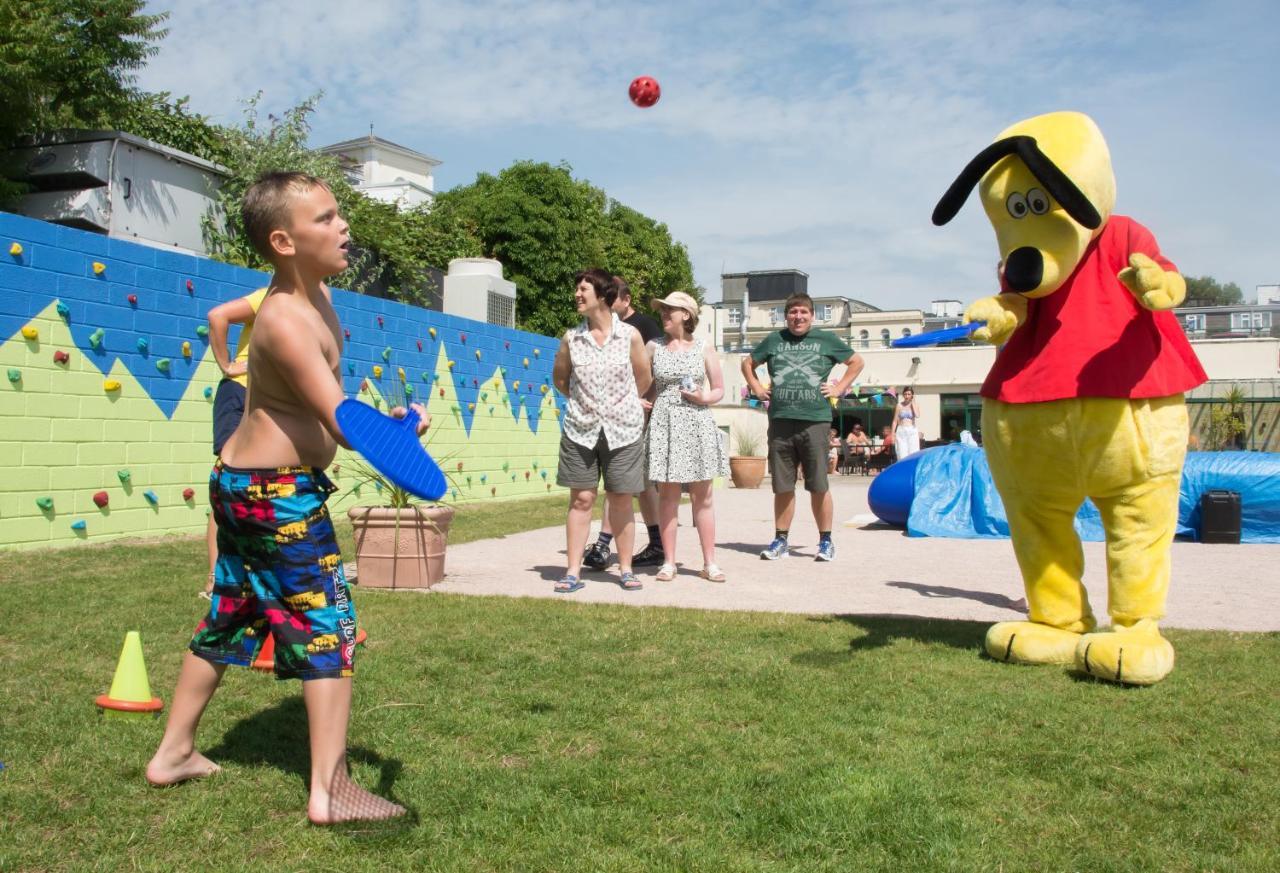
[130, 694]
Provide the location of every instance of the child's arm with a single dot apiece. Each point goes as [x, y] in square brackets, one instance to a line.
[221, 317]
[301, 362]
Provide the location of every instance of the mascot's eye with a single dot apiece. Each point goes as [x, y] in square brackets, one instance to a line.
[1037, 201]
[1017, 205]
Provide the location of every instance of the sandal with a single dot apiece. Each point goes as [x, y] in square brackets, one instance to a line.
[712, 573]
[629, 582]
[569, 584]
[667, 573]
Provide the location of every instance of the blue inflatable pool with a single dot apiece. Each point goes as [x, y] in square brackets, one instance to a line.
[947, 492]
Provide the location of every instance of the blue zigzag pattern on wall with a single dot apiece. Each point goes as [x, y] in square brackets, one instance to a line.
[174, 293]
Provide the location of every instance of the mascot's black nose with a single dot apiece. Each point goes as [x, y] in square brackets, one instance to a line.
[1024, 269]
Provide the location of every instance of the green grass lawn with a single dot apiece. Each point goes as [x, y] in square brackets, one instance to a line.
[552, 735]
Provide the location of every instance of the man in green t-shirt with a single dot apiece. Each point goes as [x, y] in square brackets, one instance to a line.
[800, 359]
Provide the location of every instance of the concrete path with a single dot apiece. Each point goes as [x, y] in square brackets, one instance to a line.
[878, 570]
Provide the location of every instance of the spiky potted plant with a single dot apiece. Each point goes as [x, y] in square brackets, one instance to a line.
[400, 541]
[746, 464]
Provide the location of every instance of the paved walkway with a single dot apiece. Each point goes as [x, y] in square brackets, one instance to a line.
[878, 570]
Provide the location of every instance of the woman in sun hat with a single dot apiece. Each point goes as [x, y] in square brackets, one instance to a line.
[685, 447]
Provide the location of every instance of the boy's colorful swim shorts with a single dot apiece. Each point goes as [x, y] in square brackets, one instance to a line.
[279, 571]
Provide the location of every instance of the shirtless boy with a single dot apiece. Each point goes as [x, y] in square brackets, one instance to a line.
[279, 570]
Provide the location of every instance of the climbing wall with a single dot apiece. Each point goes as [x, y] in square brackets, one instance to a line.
[106, 409]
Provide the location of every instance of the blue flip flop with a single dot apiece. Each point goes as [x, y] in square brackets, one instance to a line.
[569, 584]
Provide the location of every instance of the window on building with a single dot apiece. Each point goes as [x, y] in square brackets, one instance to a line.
[884, 336]
[775, 315]
[824, 312]
[906, 331]
[735, 317]
[1195, 322]
[864, 339]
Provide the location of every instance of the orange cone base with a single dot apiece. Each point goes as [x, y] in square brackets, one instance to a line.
[266, 660]
[109, 705]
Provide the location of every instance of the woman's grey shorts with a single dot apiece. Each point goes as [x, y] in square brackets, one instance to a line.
[624, 468]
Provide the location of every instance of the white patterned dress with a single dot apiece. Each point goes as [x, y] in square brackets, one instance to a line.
[684, 442]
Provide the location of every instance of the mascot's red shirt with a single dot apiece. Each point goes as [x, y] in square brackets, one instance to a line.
[1091, 337]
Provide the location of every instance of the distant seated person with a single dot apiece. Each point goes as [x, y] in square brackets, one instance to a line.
[882, 454]
[859, 445]
[833, 449]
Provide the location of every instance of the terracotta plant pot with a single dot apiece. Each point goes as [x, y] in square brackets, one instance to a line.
[410, 557]
[745, 471]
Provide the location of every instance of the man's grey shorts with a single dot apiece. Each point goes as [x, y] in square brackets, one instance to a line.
[624, 468]
[798, 443]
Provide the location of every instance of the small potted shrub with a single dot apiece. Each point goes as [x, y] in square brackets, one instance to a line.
[400, 543]
[746, 464]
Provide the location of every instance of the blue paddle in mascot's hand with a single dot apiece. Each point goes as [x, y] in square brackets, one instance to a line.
[933, 337]
[392, 446]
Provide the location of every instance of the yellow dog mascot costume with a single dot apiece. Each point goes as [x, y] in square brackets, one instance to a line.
[1085, 398]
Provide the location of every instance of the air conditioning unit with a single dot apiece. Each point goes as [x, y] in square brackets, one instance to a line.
[120, 185]
[474, 288]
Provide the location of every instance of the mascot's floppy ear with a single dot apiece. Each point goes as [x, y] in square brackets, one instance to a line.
[1055, 181]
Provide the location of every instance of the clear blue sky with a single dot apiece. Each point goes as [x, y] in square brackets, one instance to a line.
[811, 135]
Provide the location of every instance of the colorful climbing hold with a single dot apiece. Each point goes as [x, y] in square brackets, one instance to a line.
[162, 365]
[545, 389]
[191, 286]
[535, 465]
[15, 375]
[45, 503]
[515, 385]
[99, 268]
[202, 331]
[543, 474]
[386, 353]
[151, 498]
[475, 383]
[186, 348]
[31, 333]
[471, 407]
[60, 357]
[408, 390]
[15, 249]
[346, 334]
[79, 525]
[484, 477]
[64, 311]
[400, 373]
[208, 392]
[95, 338]
[477, 354]
[133, 299]
[463, 337]
[377, 371]
[468, 481]
[493, 492]
[432, 332]
[124, 476]
[441, 392]
[491, 410]
[537, 353]
[364, 384]
[506, 466]
[379, 321]
[451, 363]
[351, 368]
[526, 475]
[419, 342]
[507, 345]
[188, 494]
[526, 362]
[101, 499]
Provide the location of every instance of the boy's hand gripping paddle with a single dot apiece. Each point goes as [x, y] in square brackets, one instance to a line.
[392, 446]
[933, 337]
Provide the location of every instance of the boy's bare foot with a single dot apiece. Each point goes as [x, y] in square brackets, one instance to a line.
[348, 802]
[166, 770]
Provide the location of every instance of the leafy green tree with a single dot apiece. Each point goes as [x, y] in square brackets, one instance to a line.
[69, 63]
[391, 249]
[545, 226]
[1206, 291]
[161, 118]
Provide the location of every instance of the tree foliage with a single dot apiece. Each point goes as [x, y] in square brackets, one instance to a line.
[1206, 291]
[393, 249]
[545, 226]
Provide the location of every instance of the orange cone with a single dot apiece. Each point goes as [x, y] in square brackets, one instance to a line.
[130, 694]
[266, 659]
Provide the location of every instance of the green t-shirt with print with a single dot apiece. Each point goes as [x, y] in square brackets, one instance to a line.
[798, 365]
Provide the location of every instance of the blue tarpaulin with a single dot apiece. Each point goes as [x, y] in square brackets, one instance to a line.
[953, 495]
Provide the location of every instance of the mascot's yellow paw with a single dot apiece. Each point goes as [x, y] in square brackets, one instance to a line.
[1026, 642]
[1135, 655]
[1002, 315]
[1154, 287]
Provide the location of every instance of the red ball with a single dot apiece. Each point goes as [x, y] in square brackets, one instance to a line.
[644, 91]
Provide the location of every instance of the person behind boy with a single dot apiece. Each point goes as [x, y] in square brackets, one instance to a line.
[597, 554]
[228, 401]
[279, 569]
[800, 357]
[601, 366]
